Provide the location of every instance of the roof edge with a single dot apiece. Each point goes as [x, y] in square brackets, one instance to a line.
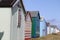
[22, 6]
[29, 15]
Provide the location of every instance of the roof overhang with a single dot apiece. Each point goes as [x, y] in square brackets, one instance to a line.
[7, 3]
[12, 3]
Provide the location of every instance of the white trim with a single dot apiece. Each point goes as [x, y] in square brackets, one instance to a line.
[15, 3]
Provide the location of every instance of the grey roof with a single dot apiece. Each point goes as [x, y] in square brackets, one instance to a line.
[54, 26]
[34, 13]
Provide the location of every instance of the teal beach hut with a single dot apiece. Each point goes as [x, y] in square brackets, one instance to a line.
[35, 23]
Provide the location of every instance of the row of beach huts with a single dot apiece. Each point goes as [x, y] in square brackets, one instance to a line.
[47, 28]
[18, 24]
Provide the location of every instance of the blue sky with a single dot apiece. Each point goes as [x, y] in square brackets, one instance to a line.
[49, 9]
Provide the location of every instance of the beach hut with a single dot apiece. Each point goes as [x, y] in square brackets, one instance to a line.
[43, 27]
[28, 26]
[52, 29]
[35, 23]
[11, 23]
[57, 30]
[48, 28]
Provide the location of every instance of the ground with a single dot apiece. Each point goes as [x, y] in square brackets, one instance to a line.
[54, 36]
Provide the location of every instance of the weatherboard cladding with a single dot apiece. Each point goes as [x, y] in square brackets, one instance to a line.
[35, 24]
[43, 27]
[13, 26]
[28, 25]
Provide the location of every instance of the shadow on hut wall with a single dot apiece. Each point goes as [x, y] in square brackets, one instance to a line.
[1, 35]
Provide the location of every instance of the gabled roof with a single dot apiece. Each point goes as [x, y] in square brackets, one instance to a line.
[10, 3]
[28, 13]
[22, 6]
[53, 26]
[7, 3]
[34, 13]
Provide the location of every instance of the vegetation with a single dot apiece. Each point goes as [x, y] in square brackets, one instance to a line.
[53, 36]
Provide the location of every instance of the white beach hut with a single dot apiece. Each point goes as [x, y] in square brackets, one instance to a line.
[57, 30]
[52, 28]
[10, 29]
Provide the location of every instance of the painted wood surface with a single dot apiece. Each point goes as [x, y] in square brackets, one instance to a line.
[33, 27]
[5, 20]
[43, 27]
[28, 26]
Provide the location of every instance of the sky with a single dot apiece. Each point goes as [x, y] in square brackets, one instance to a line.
[49, 9]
